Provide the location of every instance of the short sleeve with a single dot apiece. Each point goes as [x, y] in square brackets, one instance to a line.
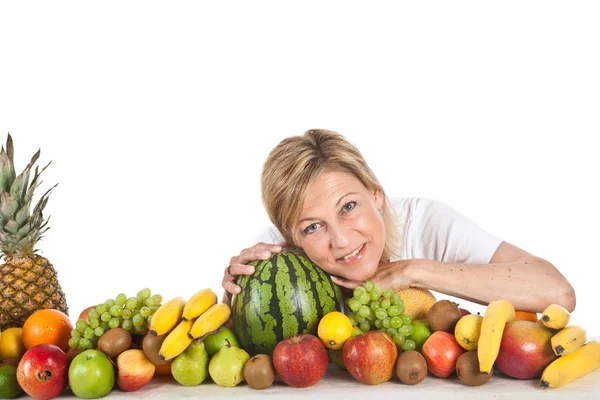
[438, 232]
[269, 235]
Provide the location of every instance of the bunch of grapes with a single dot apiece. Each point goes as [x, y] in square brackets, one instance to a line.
[373, 308]
[132, 314]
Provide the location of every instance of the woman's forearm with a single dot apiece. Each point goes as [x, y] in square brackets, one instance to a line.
[529, 285]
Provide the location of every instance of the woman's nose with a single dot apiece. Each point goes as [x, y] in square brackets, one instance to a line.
[339, 237]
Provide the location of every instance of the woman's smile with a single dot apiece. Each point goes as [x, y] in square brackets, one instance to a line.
[354, 256]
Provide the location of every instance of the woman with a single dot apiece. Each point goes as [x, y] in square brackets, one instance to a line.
[324, 199]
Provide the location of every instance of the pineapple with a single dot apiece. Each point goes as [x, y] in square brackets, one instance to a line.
[28, 282]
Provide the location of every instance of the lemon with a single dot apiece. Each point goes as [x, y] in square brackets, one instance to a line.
[334, 329]
[9, 387]
[467, 331]
[11, 344]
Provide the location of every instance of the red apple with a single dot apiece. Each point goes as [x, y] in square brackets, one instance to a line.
[441, 350]
[134, 370]
[525, 350]
[464, 311]
[42, 371]
[301, 360]
[84, 313]
[370, 357]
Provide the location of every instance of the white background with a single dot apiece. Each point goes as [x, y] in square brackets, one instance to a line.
[158, 117]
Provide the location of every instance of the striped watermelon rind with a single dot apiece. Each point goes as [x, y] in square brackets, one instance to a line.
[287, 294]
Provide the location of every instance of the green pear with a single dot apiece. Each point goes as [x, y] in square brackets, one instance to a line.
[226, 368]
[190, 368]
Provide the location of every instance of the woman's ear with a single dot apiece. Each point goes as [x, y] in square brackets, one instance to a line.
[378, 198]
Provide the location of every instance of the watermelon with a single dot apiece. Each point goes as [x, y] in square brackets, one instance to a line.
[287, 294]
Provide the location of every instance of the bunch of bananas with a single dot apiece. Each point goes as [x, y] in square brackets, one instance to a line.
[576, 357]
[186, 321]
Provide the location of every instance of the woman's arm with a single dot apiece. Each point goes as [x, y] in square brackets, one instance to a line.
[530, 283]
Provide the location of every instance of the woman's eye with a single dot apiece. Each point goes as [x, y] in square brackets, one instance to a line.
[311, 228]
[349, 206]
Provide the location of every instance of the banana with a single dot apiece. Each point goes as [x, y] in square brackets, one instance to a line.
[555, 316]
[568, 339]
[176, 341]
[167, 316]
[497, 314]
[198, 303]
[210, 320]
[573, 366]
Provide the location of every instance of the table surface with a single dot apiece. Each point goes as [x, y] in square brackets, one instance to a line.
[338, 384]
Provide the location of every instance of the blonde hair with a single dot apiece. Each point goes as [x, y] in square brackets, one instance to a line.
[297, 161]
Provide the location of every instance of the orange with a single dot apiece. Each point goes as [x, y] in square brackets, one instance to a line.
[525, 316]
[163, 369]
[47, 326]
[417, 302]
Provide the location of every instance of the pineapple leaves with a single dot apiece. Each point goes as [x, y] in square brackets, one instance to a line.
[20, 227]
[18, 188]
[34, 183]
[23, 214]
[7, 171]
[8, 206]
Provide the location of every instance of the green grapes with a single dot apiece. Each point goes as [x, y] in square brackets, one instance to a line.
[371, 307]
[130, 313]
[120, 299]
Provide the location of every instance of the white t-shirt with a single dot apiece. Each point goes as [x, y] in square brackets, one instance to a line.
[431, 230]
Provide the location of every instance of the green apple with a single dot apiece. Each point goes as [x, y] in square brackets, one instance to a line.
[421, 333]
[91, 374]
[214, 341]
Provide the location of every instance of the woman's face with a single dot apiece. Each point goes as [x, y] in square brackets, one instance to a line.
[340, 227]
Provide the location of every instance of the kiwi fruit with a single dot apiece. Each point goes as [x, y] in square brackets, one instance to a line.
[467, 370]
[443, 316]
[259, 372]
[114, 342]
[411, 367]
[151, 346]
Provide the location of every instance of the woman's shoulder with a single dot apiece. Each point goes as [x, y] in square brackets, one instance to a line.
[423, 212]
[405, 206]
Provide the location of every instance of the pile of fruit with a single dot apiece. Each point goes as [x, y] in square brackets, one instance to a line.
[133, 314]
[109, 346]
[452, 339]
[188, 341]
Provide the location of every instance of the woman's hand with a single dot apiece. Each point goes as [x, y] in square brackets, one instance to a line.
[238, 266]
[392, 275]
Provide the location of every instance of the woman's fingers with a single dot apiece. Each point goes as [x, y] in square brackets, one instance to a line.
[228, 282]
[238, 265]
[232, 288]
[260, 251]
[345, 282]
[239, 269]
